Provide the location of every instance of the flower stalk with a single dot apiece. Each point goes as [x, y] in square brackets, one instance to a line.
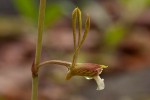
[40, 31]
[58, 62]
[38, 50]
[34, 88]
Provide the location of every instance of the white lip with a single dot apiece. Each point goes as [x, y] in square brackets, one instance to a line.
[100, 83]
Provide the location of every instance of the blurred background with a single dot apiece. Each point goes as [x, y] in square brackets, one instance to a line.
[119, 37]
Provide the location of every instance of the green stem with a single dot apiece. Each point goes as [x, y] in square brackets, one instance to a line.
[40, 31]
[35, 76]
[35, 88]
[38, 50]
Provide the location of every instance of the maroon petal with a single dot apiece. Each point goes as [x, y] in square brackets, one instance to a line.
[87, 69]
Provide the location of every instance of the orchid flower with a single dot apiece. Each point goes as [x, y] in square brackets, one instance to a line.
[88, 70]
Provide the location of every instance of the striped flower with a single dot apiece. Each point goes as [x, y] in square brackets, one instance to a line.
[89, 71]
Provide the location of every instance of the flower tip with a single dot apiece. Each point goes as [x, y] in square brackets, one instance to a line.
[103, 66]
[75, 11]
[78, 8]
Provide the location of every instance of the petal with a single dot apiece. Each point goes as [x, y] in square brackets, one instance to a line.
[88, 78]
[87, 69]
[100, 83]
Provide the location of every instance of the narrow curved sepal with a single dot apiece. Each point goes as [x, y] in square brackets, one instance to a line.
[79, 15]
[74, 21]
